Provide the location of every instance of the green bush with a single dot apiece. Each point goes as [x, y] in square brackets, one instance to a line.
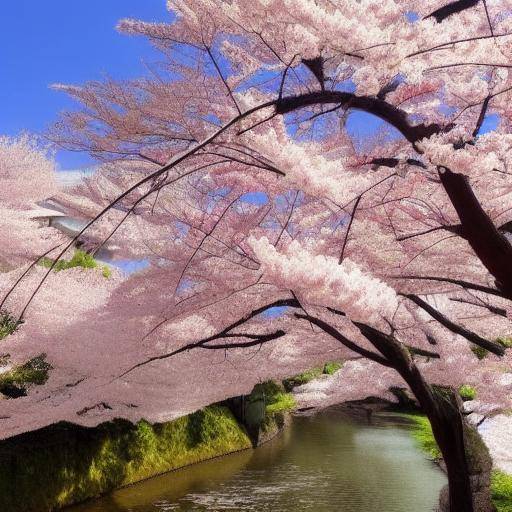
[332, 367]
[479, 352]
[14, 383]
[275, 397]
[501, 489]
[302, 378]
[79, 259]
[467, 392]
[8, 324]
[65, 464]
[505, 341]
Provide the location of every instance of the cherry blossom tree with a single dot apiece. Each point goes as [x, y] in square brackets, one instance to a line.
[27, 174]
[231, 171]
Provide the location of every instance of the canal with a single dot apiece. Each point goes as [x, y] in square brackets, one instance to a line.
[321, 463]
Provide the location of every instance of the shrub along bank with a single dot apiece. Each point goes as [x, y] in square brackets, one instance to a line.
[501, 483]
[64, 464]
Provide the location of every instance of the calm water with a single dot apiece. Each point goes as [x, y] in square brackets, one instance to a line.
[321, 463]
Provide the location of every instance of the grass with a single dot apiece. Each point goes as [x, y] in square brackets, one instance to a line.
[8, 324]
[65, 464]
[505, 341]
[501, 489]
[423, 435]
[329, 368]
[79, 259]
[332, 367]
[14, 383]
[501, 483]
[467, 392]
[275, 398]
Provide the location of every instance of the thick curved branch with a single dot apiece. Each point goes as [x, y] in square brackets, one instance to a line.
[329, 329]
[380, 108]
[452, 8]
[490, 246]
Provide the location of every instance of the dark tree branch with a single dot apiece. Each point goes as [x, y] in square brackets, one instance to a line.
[490, 246]
[493, 309]
[452, 8]
[345, 241]
[481, 117]
[329, 329]
[415, 351]
[458, 282]
[452, 229]
[393, 162]
[491, 346]
[385, 111]
[316, 66]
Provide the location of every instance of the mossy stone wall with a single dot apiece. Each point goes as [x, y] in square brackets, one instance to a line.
[64, 464]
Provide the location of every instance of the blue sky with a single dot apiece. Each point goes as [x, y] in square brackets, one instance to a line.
[43, 42]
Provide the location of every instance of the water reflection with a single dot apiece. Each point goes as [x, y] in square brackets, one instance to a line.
[322, 463]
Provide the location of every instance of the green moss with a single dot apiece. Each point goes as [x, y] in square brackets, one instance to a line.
[505, 341]
[14, 383]
[479, 352]
[79, 259]
[8, 324]
[467, 392]
[275, 397]
[422, 433]
[501, 489]
[332, 367]
[64, 464]
[302, 378]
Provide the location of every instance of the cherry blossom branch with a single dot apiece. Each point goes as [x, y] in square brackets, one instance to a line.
[491, 346]
[352, 216]
[230, 92]
[480, 304]
[452, 229]
[458, 282]
[334, 333]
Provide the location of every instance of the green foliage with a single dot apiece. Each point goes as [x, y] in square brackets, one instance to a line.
[276, 399]
[281, 402]
[467, 392]
[505, 341]
[479, 352]
[64, 464]
[8, 324]
[501, 489]
[79, 259]
[332, 367]
[14, 383]
[302, 378]
[329, 368]
[422, 433]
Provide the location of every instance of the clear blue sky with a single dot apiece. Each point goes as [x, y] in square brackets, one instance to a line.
[48, 41]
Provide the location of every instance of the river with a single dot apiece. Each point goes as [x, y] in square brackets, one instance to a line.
[321, 463]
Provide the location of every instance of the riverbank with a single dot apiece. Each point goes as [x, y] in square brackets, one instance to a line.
[65, 464]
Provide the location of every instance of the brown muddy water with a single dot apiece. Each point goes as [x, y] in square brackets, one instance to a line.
[321, 463]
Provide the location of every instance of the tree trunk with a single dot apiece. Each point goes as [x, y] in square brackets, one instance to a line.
[468, 463]
[467, 460]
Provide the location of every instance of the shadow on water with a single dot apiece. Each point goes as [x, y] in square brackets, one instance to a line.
[321, 463]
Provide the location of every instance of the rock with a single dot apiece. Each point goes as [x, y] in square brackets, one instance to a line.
[475, 419]
[497, 435]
